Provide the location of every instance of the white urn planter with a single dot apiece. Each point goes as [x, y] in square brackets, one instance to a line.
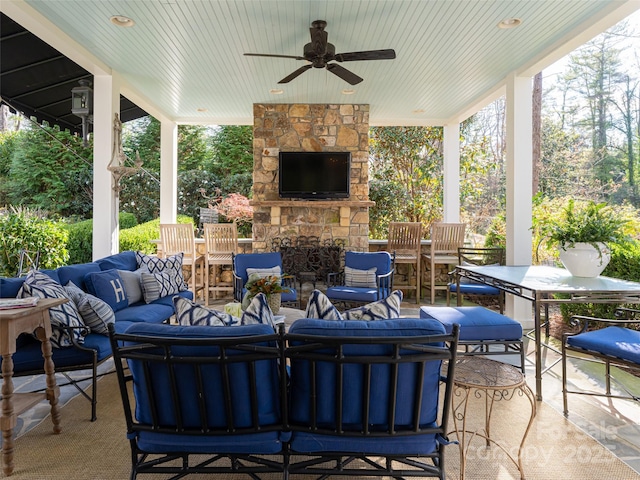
[584, 260]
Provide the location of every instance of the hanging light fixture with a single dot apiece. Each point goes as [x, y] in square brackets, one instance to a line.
[82, 106]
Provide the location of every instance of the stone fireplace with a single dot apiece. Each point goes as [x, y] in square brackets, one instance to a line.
[314, 127]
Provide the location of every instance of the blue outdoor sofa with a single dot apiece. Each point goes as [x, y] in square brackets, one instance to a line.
[95, 348]
[355, 398]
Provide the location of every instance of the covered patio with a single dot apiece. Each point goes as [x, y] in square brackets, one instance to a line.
[183, 63]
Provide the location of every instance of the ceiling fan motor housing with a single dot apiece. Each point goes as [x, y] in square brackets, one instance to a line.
[318, 59]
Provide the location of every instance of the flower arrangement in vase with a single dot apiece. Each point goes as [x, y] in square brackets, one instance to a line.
[270, 285]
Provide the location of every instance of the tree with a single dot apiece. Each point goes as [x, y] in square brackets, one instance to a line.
[51, 170]
[594, 72]
[232, 150]
[412, 158]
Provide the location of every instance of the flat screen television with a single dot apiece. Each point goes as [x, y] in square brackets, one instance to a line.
[314, 175]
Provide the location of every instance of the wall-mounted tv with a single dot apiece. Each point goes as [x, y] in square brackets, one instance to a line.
[314, 175]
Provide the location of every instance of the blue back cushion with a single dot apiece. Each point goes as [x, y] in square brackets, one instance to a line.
[255, 260]
[119, 261]
[240, 379]
[76, 273]
[107, 286]
[367, 260]
[353, 387]
[9, 287]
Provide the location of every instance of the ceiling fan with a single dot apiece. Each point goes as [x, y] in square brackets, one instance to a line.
[319, 53]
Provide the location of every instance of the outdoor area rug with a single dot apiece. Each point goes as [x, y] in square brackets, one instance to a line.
[554, 449]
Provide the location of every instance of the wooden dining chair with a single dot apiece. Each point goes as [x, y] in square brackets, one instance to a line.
[446, 238]
[180, 238]
[221, 242]
[404, 240]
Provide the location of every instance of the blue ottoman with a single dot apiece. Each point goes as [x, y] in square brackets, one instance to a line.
[481, 330]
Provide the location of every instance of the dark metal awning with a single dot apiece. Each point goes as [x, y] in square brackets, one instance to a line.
[36, 79]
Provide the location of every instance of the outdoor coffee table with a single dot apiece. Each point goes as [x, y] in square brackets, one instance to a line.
[483, 379]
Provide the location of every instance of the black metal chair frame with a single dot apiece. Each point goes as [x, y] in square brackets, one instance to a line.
[625, 317]
[477, 256]
[75, 382]
[159, 350]
[323, 349]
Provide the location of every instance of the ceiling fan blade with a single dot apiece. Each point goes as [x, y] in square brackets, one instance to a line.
[295, 74]
[273, 55]
[388, 54]
[344, 74]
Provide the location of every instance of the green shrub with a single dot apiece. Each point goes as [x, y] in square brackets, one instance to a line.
[21, 228]
[80, 243]
[139, 238]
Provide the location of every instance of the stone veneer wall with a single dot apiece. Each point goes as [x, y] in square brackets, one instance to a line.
[315, 127]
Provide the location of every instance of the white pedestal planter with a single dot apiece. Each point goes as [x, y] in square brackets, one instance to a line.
[583, 260]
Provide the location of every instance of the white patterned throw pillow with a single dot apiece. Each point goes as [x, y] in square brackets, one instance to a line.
[171, 265]
[360, 278]
[159, 285]
[384, 309]
[38, 284]
[319, 306]
[189, 312]
[96, 314]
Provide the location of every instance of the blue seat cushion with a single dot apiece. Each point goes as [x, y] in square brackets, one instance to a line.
[142, 312]
[304, 442]
[617, 342]
[255, 443]
[353, 294]
[476, 323]
[29, 356]
[474, 289]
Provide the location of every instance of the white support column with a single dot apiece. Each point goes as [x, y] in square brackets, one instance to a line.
[451, 172]
[106, 102]
[519, 185]
[168, 171]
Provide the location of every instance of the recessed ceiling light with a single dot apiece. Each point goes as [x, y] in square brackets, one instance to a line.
[348, 91]
[509, 23]
[122, 21]
[276, 91]
[420, 110]
[202, 109]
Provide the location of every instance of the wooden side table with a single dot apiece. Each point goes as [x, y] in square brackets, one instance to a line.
[13, 323]
[478, 377]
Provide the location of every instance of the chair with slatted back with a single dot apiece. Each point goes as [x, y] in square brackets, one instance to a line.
[404, 240]
[446, 238]
[221, 242]
[180, 238]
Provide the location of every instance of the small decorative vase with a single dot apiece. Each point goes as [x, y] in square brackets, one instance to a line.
[274, 301]
[583, 260]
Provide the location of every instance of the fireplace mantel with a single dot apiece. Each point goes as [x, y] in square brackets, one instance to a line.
[312, 203]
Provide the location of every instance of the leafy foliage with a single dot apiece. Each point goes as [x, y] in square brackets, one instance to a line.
[22, 228]
[139, 237]
[390, 198]
[587, 222]
[232, 151]
[412, 158]
[54, 168]
[80, 243]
